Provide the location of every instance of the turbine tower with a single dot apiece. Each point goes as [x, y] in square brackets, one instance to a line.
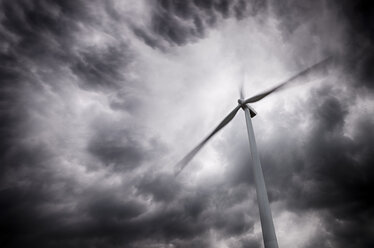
[268, 230]
[267, 225]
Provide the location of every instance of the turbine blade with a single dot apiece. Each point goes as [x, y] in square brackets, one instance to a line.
[183, 163]
[310, 70]
[242, 91]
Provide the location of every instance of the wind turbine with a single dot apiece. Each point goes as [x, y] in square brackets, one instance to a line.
[268, 231]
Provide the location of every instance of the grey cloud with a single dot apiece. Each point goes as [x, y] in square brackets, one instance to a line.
[359, 19]
[354, 18]
[162, 188]
[328, 172]
[121, 146]
[105, 186]
[101, 70]
[180, 22]
[117, 148]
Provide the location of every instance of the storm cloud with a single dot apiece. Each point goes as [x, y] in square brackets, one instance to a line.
[101, 99]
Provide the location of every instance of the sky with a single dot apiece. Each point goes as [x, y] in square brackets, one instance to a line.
[101, 99]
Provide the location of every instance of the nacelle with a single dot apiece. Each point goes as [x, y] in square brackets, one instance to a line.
[251, 110]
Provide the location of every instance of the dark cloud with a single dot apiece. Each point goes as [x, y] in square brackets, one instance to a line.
[358, 16]
[117, 148]
[329, 172]
[101, 69]
[162, 187]
[180, 22]
[96, 175]
[40, 27]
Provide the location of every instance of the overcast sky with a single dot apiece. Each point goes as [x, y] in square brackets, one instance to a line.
[101, 99]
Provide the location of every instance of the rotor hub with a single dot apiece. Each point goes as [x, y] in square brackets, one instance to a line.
[243, 106]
